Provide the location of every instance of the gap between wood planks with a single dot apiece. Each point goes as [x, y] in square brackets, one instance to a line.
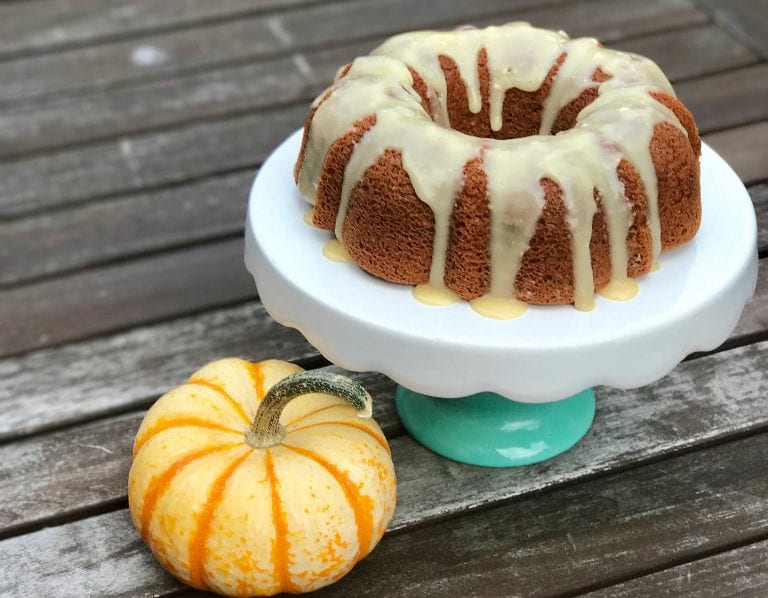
[115, 302]
[315, 28]
[675, 396]
[198, 99]
[118, 30]
[164, 295]
[564, 545]
[746, 20]
[740, 570]
[141, 163]
[519, 488]
[157, 182]
[226, 332]
[595, 590]
[68, 241]
[140, 406]
[233, 43]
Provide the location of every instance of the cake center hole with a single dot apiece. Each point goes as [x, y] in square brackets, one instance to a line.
[520, 111]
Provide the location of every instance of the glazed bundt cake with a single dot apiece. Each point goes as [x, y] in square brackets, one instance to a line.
[503, 165]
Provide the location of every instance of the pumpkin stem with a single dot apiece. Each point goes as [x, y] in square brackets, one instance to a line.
[267, 431]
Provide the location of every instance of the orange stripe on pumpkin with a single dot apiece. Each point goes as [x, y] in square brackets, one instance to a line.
[257, 375]
[353, 424]
[219, 389]
[160, 483]
[280, 547]
[198, 540]
[361, 505]
[167, 424]
[311, 413]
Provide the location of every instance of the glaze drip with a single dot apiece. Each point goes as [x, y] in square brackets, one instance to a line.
[582, 161]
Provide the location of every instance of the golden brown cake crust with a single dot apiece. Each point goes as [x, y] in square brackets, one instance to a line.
[388, 230]
[677, 171]
[467, 264]
[332, 177]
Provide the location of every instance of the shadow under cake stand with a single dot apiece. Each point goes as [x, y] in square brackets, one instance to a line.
[501, 392]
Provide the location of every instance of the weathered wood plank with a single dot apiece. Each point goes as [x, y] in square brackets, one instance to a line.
[679, 52]
[747, 19]
[610, 20]
[49, 476]
[28, 27]
[126, 294]
[79, 381]
[567, 541]
[739, 572]
[202, 210]
[745, 149]
[728, 99]
[213, 45]
[687, 408]
[695, 405]
[93, 234]
[224, 91]
[96, 233]
[754, 321]
[248, 38]
[759, 195]
[54, 387]
[281, 80]
[164, 157]
[139, 161]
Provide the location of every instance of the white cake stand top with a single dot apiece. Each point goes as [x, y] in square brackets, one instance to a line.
[361, 323]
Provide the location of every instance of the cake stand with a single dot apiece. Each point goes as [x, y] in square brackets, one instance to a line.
[501, 392]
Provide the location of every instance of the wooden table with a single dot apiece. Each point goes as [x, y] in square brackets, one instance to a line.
[130, 131]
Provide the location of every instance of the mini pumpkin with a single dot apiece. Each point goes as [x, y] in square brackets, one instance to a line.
[238, 488]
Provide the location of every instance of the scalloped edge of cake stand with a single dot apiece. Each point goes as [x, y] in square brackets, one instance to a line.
[361, 323]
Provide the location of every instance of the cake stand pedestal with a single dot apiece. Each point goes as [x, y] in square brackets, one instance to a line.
[543, 361]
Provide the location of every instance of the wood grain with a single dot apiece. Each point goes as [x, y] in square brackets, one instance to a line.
[300, 76]
[96, 233]
[166, 157]
[679, 52]
[63, 240]
[113, 297]
[203, 210]
[745, 149]
[747, 19]
[739, 572]
[567, 541]
[704, 400]
[727, 99]
[759, 195]
[753, 323]
[687, 505]
[102, 66]
[130, 132]
[25, 28]
[54, 387]
[140, 161]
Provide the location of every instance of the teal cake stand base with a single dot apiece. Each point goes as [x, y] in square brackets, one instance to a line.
[488, 429]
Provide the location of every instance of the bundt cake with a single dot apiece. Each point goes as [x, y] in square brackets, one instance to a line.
[506, 166]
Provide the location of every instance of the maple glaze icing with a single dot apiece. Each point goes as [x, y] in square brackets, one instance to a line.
[618, 124]
[309, 216]
[336, 252]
